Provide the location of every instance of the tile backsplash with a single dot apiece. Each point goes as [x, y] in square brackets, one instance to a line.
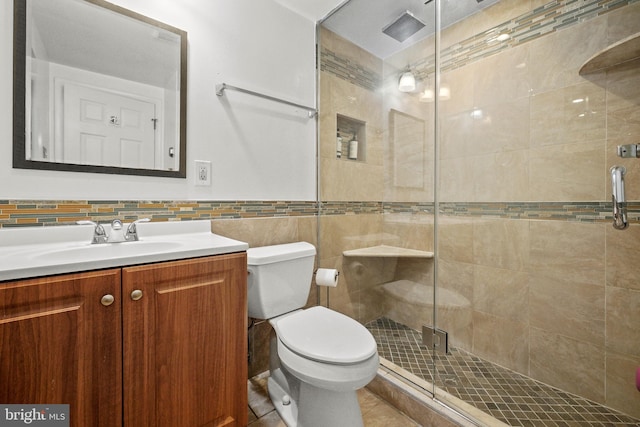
[20, 213]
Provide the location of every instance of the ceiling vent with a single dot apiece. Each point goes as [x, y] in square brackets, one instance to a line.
[403, 27]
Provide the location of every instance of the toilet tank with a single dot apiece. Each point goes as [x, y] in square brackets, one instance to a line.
[279, 278]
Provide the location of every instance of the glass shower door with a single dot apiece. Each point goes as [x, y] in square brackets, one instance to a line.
[376, 174]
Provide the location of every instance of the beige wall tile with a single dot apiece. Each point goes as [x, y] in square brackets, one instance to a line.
[360, 181]
[556, 58]
[623, 321]
[568, 251]
[501, 340]
[567, 308]
[567, 277]
[456, 280]
[622, 248]
[260, 232]
[501, 293]
[504, 126]
[503, 77]
[501, 243]
[461, 84]
[456, 179]
[623, 123]
[568, 172]
[621, 391]
[344, 232]
[502, 176]
[414, 231]
[457, 321]
[571, 114]
[455, 239]
[457, 135]
[623, 22]
[571, 365]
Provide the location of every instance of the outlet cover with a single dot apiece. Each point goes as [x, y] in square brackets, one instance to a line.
[203, 172]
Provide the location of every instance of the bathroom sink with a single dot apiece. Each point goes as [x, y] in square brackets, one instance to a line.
[106, 250]
[41, 251]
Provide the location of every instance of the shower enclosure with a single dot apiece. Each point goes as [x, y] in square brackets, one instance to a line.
[463, 174]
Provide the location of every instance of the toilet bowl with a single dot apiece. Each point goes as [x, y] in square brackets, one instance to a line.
[318, 357]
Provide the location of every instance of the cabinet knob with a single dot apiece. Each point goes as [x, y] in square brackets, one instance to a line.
[136, 294]
[107, 300]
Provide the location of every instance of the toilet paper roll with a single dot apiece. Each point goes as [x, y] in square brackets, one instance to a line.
[327, 277]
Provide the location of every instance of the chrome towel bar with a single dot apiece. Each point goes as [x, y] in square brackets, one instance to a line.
[221, 87]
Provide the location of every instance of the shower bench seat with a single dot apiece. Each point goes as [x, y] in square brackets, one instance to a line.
[385, 251]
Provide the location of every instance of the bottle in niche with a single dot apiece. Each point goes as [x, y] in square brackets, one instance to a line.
[338, 145]
[353, 148]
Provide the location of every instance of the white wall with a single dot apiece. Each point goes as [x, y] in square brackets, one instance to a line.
[259, 150]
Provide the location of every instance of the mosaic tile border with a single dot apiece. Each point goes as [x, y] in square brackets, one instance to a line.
[349, 70]
[556, 211]
[559, 211]
[21, 213]
[28, 213]
[539, 22]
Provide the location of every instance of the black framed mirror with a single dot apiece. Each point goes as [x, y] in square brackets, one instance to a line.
[98, 88]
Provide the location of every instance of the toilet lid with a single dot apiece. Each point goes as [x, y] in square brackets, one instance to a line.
[325, 335]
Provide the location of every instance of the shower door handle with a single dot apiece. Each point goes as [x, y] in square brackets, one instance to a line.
[618, 198]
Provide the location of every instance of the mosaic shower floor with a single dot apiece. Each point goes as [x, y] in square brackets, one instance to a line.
[506, 395]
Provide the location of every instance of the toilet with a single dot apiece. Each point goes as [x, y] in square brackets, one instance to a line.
[318, 357]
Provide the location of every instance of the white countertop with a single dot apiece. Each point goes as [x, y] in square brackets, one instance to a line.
[43, 251]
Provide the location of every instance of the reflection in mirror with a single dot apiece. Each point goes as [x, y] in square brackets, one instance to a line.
[98, 88]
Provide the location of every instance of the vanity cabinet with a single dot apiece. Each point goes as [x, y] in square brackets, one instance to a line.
[59, 344]
[168, 349]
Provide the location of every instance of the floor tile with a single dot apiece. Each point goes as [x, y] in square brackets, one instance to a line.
[504, 394]
[375, 411]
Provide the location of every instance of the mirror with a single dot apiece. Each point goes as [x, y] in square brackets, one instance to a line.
[98, 88]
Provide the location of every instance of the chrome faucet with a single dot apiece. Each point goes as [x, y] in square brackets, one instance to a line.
[116, 234]
[99, 234]
[132, 232]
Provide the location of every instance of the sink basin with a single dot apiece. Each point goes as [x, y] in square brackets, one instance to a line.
[106, 250]
[41, 251]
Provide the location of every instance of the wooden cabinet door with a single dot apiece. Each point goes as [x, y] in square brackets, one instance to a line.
[60, 345]
[185, 345]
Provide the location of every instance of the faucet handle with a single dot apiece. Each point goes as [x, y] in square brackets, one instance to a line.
[99, 234]
[132, 232]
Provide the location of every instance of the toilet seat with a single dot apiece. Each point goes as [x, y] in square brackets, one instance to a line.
[324, 335]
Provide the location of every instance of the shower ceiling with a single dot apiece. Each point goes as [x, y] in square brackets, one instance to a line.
[362, 21]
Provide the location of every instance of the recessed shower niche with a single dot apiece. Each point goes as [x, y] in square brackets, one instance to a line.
[351, 139]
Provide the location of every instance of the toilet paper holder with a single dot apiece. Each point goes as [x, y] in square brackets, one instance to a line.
[326, 277]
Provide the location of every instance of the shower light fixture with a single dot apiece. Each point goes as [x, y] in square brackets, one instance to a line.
[407, 82]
